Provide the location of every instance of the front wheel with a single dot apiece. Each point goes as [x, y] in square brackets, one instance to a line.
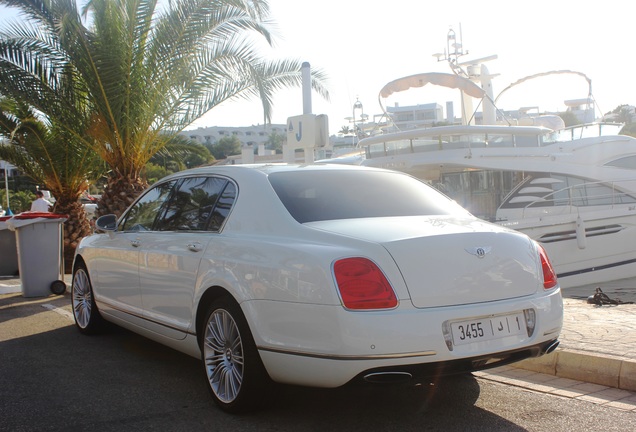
[236, 377]
[87, 317]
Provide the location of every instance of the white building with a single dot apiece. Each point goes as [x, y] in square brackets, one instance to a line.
[254, 136]
[416, 116]
[10, 169]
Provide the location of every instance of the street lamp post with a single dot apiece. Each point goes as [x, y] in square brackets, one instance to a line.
[6, 186]
[357, 106]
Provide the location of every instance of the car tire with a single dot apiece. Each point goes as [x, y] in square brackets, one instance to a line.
[235, 373]
[87, 317]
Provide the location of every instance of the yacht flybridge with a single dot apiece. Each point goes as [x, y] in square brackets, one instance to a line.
[572, 189]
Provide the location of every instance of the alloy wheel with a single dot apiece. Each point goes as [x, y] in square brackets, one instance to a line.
[223, 356]
[82, 298]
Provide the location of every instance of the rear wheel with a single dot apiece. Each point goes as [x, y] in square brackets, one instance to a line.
[236, 377]
[87, 317]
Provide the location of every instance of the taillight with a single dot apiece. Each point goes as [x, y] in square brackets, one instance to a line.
[549, 275]
[362, 285]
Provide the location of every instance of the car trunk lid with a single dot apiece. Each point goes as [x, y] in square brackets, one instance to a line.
[451, 261]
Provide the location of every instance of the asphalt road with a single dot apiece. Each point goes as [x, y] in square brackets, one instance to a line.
[52, 378]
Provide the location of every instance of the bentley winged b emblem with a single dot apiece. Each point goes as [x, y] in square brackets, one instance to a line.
[479, 251]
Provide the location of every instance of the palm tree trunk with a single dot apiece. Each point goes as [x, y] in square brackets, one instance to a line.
[119, 193]
[76, 227]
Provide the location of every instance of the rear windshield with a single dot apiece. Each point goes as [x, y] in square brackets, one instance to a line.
[312, 196]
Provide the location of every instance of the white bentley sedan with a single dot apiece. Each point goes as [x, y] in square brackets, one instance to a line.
[316, 275]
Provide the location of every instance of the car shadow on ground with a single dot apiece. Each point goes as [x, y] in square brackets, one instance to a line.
[128, 382]
[461, 390]
[441, 404]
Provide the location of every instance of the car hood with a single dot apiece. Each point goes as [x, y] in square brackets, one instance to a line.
[451, 261]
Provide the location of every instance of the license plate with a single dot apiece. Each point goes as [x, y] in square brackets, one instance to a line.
[488, 328]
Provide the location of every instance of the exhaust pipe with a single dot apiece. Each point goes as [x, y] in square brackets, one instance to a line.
[552, 347]
[388, 377]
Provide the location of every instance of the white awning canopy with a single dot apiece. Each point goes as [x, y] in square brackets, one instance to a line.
[435, 78]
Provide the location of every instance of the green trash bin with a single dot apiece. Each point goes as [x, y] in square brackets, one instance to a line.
[39, 241]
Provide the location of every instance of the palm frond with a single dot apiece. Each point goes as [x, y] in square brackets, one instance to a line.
[120, 74]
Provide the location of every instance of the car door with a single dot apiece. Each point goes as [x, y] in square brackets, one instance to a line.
[117, 266]
[170, 256]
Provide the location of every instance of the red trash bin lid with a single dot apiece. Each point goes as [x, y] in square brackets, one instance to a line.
[35, 215]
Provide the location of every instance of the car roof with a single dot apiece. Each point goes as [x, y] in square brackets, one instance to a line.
[248, 170]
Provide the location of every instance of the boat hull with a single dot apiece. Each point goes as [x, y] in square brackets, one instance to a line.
[586, 250]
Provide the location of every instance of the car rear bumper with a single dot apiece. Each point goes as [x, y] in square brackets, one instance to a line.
[328, 346]
[428, 370]
[317, 371]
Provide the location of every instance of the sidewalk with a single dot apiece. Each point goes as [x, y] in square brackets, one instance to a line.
[596, 361]
[598, 343]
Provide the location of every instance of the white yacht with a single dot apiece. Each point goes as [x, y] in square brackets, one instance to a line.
[576, 196]
[572, 189]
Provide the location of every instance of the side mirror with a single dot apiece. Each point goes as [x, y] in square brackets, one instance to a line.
[106, 222]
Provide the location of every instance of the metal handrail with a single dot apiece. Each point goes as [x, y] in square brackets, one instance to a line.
[481, 136]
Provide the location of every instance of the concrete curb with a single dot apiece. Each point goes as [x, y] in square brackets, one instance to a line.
[611, 372]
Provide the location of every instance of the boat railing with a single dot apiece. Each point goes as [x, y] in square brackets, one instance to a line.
[578, 197]
[588, 130]
[392, 146]
[473, 137]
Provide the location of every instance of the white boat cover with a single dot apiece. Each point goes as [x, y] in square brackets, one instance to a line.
[435, 78]
[553, 122]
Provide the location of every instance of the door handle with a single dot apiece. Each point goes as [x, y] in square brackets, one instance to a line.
[195, 246]
[135, 243]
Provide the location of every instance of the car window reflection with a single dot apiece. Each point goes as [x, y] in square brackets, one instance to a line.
[190, 208]
[223, 206]
[142, 216]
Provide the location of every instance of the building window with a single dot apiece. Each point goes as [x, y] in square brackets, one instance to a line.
[405, 117]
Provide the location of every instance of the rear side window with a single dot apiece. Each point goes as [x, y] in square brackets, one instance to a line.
[311, 196]
[193, 205]
[222, 207]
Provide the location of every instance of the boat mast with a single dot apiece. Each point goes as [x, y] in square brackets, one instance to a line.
[475, 71]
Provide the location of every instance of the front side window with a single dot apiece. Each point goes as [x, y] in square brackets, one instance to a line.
[142, 215]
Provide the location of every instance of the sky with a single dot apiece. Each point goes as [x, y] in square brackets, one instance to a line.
[362, 45]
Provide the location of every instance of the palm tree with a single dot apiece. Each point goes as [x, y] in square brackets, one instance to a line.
[148, 73]
[53, 157]
[345, 130]
[181, 153]
[625, 115]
